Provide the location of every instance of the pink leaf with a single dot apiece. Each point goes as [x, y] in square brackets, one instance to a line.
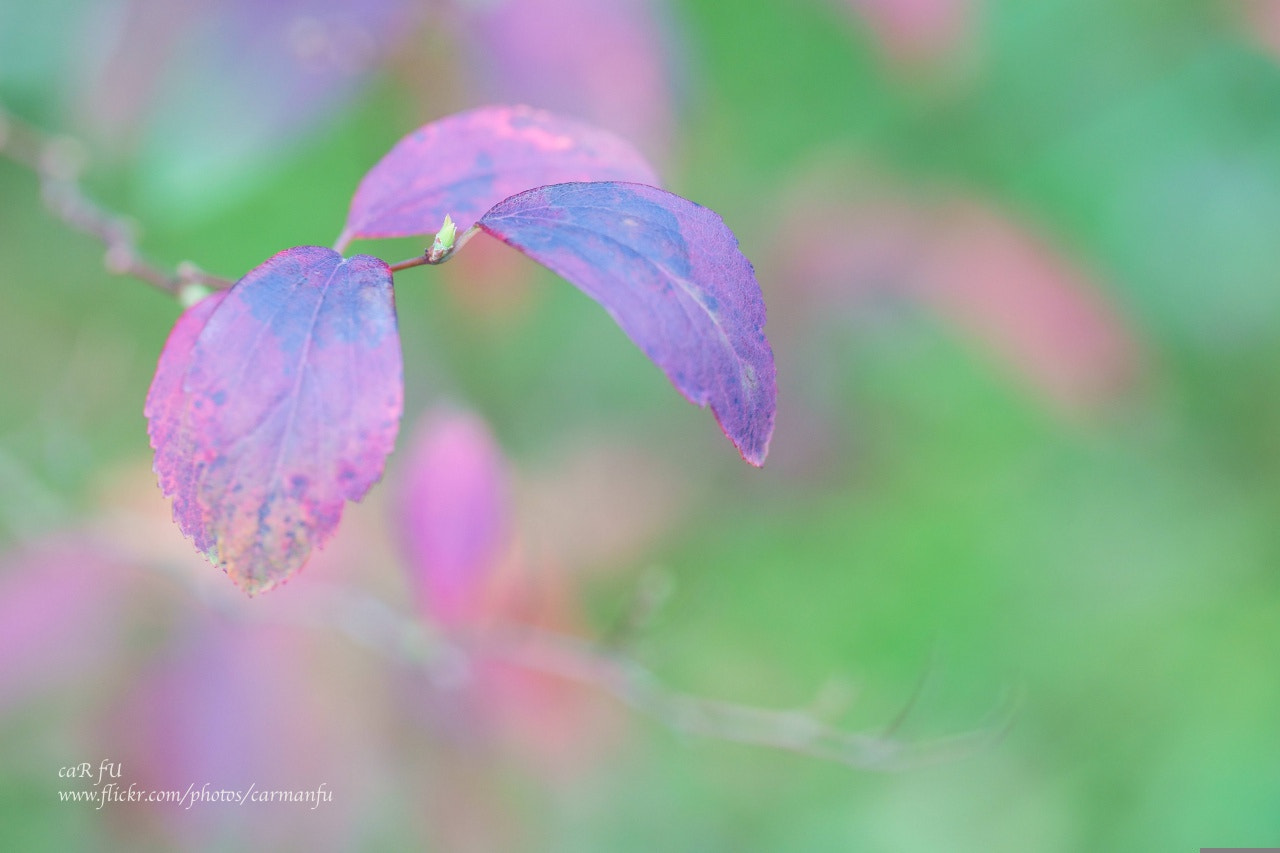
[1030, 304]
[454, 514]
[671, 275]
[995, 279]
[60, 615]
[166, 411]
[244, 705]
[281, 408]
[1262, 22]
[916, 30]
[607, 62]
[464, 164]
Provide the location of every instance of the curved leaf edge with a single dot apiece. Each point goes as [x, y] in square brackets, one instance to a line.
[208, 306]
[350, 233]
[756, 460]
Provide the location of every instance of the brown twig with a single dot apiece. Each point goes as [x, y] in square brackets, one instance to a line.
[416, 261]
[58, 163]
[446, 243]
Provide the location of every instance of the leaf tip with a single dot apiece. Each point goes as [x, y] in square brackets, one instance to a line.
[754, 446]
[253, 587]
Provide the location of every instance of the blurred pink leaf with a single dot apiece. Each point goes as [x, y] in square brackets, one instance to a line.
[609, 62]
[122, 64]
[236, 705]
[453, 514]
[994, 278]
[279, 410]
[670, 273]
[60, 615]
[915, 29]
[835, 250]
[464, 164]
[1030, 305]
[1263, 20]
[217, 87]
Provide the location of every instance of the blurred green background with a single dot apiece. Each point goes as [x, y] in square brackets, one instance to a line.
[1021, 262]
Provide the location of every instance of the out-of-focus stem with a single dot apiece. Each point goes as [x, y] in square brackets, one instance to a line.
[58, 163]
[446, 658]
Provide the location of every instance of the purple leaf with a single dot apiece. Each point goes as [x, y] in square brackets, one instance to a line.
[281, 408]
[454, 514]
[166, 411]
[464, 164]
[670, 273]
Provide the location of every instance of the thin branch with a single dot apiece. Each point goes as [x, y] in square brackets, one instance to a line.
[798, 731]
[418, 261]
[446, 243]
[447, 658]
[58, 163]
